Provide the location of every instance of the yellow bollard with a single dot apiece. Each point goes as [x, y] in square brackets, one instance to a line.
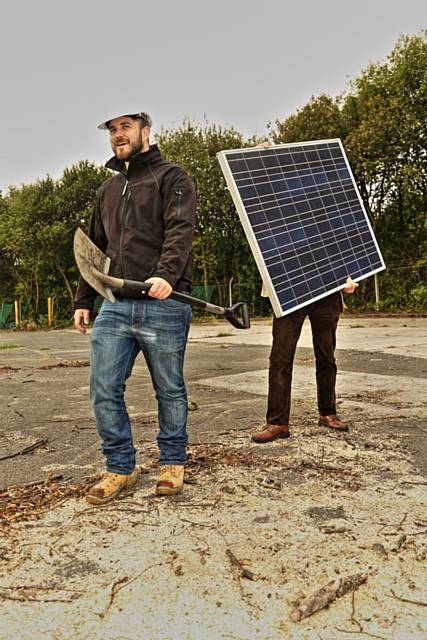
[49, 312]
[17, 318]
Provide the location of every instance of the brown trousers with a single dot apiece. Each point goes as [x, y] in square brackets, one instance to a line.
[324, 315]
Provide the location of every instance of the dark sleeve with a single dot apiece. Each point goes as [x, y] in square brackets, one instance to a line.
[85, 294]
[179, 215]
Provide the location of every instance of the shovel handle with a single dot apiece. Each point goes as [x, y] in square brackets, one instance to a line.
[230, 313]
[178, 296]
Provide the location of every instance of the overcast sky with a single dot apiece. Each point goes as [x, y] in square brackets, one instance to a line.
[66, 66]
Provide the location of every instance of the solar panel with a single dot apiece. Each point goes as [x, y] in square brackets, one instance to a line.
[304, 219]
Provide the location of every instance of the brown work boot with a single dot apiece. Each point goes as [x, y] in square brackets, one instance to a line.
[271, 432]
[332, 422]
[171, 479]
[110, 486]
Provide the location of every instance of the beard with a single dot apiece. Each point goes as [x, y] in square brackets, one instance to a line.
[131, 149]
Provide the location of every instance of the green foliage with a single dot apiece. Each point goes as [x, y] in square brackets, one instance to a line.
[385, 114]
[37, 223]
[387, 146]
[319, 119]
[419, 295]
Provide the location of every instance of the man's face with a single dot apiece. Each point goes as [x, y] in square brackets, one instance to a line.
[127, 138]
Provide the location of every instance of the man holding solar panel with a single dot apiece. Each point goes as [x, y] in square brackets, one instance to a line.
[312, 240]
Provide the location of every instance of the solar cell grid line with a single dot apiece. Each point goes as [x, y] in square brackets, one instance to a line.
[303, 217]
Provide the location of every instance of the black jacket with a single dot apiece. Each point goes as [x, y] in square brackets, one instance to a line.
[143, 219]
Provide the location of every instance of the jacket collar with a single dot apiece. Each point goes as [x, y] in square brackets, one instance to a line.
[136, 162]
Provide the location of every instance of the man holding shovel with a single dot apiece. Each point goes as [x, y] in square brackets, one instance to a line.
[143, 220]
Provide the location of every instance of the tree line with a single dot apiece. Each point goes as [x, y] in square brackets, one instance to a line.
[381, 119]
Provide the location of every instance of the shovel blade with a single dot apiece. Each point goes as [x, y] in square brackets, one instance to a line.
[89, 260]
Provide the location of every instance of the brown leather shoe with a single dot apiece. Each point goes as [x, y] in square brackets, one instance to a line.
[333, 422]
[271, 432]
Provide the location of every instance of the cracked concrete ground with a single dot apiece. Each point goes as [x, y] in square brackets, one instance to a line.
[295, 515]
[44, 381]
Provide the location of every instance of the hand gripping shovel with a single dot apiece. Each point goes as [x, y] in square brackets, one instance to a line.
[94, 265]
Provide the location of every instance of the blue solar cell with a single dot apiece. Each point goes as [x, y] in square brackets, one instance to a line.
[290, 264]
[270, 161]
[303, 217]
[257, 218]
[254, 163]
[286, 298]
[264, 189]
[306, 259]
[279, 186]
[316, 283]
[283, 239]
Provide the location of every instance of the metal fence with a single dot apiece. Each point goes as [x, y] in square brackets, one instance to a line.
[402, 287]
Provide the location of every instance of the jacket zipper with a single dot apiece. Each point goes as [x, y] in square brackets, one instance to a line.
[122, 223]
[179, 194]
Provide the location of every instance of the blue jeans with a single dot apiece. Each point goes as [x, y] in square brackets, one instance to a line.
[158, 328]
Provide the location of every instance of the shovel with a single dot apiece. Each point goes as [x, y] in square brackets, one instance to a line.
[94, 265]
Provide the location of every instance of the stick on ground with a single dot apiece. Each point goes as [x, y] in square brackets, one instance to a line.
[322, 598]
[32, 447]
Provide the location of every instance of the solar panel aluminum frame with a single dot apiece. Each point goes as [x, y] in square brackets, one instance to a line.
[250, 235]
